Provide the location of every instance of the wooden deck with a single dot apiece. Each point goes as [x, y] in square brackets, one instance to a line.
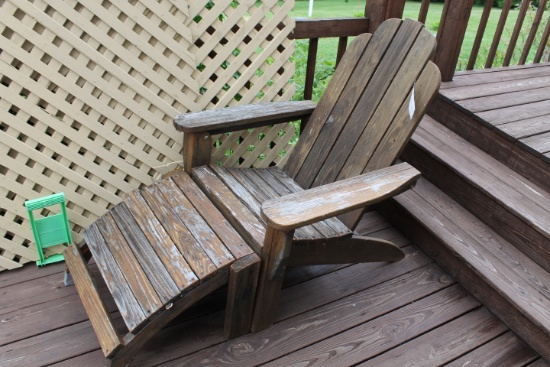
[505, 112]
[405, 313]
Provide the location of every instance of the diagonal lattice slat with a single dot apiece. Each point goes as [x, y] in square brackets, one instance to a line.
[88, 91]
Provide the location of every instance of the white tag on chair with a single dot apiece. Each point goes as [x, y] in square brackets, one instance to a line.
[412, 106]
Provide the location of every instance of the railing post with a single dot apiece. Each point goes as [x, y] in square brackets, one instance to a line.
[450, 35]
[379, 10]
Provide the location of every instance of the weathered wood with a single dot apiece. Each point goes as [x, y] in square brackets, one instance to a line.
[99, 316]
[243, 281]
[212, 216]
[439, 346]
[129, 308]
[145, 254]
[239, 215]
[436, 228]
[212, 246]
[450, 35]
[130, 267]
[479, 34]
[506, 350]
[515, 34]
[197, 150]
[187, 244]
[498, 34]
[310, 68]
[354, 345]
[326, 28]
[242, 117]
[164, 247]
[275, 252]
[291, 334]
[329, 98]
[321, 146]
[315, 204]
[532, 32]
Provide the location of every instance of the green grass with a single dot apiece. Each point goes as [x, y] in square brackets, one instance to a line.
[352, 8]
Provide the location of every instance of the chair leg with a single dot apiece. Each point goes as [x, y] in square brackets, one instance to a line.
[243, 281]
[275, 254]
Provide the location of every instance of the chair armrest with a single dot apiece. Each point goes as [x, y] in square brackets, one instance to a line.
[305, 207]
[242, 117]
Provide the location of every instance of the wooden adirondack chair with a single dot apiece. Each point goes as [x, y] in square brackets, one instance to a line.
[342, 162]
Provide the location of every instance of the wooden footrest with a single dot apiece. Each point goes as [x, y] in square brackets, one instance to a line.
[158, 246]
[95, 308]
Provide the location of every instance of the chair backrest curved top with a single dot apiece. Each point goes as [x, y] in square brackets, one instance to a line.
[374, 101]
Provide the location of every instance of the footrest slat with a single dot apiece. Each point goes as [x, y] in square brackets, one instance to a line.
[95, 308]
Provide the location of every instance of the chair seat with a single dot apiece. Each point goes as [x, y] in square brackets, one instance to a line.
[158, 245]
[239, 194]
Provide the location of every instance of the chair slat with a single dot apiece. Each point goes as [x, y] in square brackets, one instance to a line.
[129, 307]
[168, 253]
[373, 74]
[145, 254]
[237, 213]
[182, 237]
[137, 280]
[210, 243]
[215, 219]
[385, 76]
[336, 86]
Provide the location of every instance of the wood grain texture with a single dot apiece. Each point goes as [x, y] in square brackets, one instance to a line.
[330, 27]
[385, 332]
[439, 346]
[329, 200]
[452, 247]
[227, 234]
[506, 350]
[274, 256]
[189, 247]
[241, 295]
[99, 316]
[163, 245]
[129, 264]
[307, 328]
[129, 308]
[242, 117]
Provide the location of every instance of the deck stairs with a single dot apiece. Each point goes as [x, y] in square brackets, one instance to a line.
[486, 224]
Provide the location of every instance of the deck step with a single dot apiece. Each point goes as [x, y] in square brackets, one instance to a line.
[507, 281]
[510, 204]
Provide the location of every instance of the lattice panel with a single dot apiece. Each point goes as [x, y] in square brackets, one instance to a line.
[88, 90]
[243, 51]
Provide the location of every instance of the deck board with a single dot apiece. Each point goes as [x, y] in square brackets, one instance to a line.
[505, 112]
[352, 314]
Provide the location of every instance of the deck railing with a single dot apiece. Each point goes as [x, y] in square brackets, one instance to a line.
[505, 46]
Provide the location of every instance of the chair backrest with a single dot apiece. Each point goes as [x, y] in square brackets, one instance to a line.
[375, 100]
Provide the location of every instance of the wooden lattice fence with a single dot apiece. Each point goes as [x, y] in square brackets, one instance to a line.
[88, 90]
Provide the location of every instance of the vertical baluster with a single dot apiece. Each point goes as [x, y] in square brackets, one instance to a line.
[515, 33]
[533, 32]
[543, 42]
[423, 11]
[480, 33]
[310, 68]
[452, 28]
[498, 34]
[342, 45]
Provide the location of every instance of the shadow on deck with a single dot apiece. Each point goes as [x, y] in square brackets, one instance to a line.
[368, 314]
[484, 223]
